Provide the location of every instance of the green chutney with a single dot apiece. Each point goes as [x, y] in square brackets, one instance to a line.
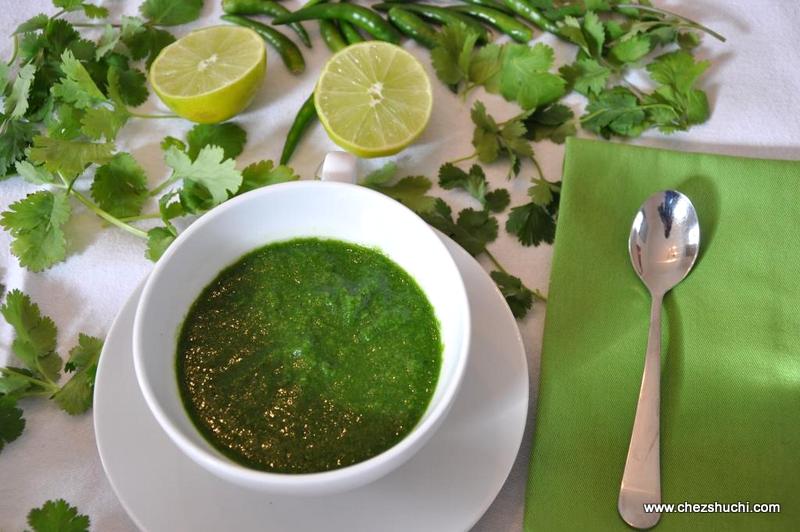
[308, 355]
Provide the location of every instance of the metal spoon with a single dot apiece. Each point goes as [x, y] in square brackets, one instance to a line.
[664, 242]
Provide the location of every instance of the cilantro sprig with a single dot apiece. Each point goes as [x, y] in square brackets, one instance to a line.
[39, 375]
[473, 229]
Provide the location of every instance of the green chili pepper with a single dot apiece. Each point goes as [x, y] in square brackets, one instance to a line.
[440, 15]
[350, 32]
[527, 11]
[505, 23]
[412, 26]
[331, 35]
[289, 52]
[364, 18]
[494, 4]
[264, 7]
[306, 115]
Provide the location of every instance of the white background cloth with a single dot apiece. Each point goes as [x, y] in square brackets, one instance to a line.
[753, 88]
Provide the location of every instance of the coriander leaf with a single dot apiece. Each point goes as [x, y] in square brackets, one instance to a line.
[34, 174]
[210, 170]
[64, 122]
[108, 40]
[677, 69]
[525, 79]
[264, 173]
[498, 200]
[70, 158]
[571, 30]
[553, 122]
[485, 137]
[381, 176]
[594, 33]
[102, 122]
[68, 5]
[132, 87]
[57, 516]
[632, 49]
[35, 341]
[35, 23]
[589, 76]
[170, 209]
[411, 192]
[170, 141]
[473, 230]
[15, 137]
[614, 111]
[474, 182]
[144, 42]
[490, 140]
[77, 87]
[35, 223]
[480, 226]
[552, 115]
[93, 11]
[120, 186]
[453, 53]
[486, 67]
[75, 397]
[14, 382]
[158, 240]
[11, 421]
[532, 224]
[17, 101]
[171, 12]
[228, 136]
[688, 40]
[518, 297]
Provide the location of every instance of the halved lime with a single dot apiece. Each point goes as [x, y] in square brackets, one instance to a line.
[373, 99]
[210, 74]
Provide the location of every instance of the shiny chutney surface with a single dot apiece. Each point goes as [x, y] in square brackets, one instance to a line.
[308, 355]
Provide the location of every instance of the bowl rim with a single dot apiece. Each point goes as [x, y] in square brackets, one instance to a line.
[352, 475]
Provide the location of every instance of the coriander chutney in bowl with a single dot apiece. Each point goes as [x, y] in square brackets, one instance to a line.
[304, 338]
[308, 355]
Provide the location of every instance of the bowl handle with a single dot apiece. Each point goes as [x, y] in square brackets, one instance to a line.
[338, 166]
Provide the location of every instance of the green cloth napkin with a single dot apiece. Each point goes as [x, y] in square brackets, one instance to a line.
[730, 406]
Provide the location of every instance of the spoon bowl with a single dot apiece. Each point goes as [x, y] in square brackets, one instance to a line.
[664, 244]
[665, 240]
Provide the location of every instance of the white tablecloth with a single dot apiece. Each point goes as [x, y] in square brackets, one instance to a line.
[753, 87]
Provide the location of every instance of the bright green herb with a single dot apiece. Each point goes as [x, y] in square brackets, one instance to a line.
[34, 346]
[281, 383]
[57, 516]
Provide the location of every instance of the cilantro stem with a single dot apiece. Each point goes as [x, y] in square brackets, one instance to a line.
[465, 158]
[164, 184]
[666, 13]
[141, 217]
[538, 168]
[95, 25]
[14, 52]
[107, 217]
[495, 261]
[50, 386]
[538, 295]
[144, 115]
[58, 14]
[100, 212]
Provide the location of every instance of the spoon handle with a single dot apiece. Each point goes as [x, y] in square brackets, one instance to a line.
[641, 481]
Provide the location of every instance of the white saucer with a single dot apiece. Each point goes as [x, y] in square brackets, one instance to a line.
[447, 485]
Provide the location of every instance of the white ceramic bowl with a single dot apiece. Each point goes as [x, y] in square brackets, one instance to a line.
[280, 212]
